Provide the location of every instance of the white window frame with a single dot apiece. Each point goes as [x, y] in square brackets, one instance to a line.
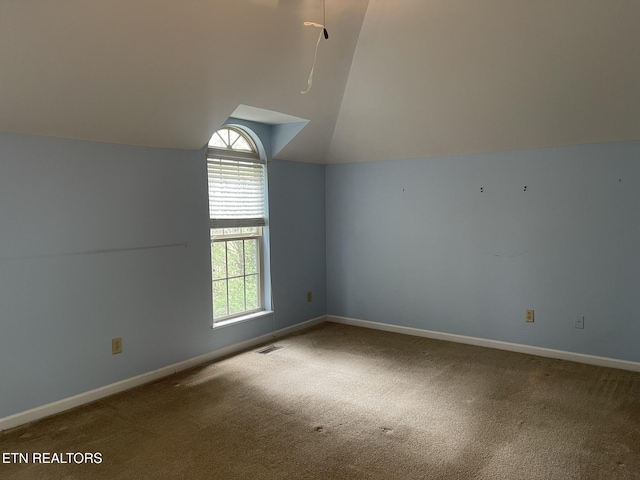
[214, 155]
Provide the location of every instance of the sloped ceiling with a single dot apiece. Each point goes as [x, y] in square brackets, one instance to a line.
[428, 77]
[442, 77]
[168, 73]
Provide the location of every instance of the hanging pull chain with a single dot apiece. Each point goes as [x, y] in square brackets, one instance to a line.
[324, 22]
[323, 31]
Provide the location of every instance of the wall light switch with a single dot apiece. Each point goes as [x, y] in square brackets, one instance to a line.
[529, 316]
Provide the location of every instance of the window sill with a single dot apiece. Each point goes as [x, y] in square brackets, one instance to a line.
[242, 319]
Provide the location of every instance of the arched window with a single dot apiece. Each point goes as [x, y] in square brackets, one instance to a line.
[237, 215]
[234, 139]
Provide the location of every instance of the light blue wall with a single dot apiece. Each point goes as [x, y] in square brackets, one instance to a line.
[415, 243]
[411, 243]
[298, 246]
[66, 205]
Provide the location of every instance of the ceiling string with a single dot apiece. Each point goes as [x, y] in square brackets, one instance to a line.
[324, 21]
[323, 31]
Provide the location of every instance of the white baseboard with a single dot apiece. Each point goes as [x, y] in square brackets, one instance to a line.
[49, 409]
[483, 342]
[59, 406]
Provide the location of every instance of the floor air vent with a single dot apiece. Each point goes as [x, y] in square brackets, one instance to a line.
[269, 349]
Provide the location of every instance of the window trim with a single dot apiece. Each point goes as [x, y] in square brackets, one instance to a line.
[245, 318]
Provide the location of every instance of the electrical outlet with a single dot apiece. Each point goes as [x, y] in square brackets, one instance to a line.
[529, 316]
[579, 320]
[116, 345]
[309, 296]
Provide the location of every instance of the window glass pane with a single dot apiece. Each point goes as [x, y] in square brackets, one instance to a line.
[216, 141]
[251, 284]
[251, 256]
[235, 258]
[242, 144]
[229, 139]
[220, 299]
[252, 230]
[219, 260]
[231, 231]
[233, 137]
[236, 295]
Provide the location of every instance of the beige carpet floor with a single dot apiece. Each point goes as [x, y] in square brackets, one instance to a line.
[340, 402]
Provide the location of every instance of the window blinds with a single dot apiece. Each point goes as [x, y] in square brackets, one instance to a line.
[236, 193]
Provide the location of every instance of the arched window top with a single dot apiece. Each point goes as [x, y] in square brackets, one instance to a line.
[232, 142]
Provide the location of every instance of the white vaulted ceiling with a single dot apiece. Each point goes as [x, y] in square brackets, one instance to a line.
[442, 77]
[168, 73]
[396, 79]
